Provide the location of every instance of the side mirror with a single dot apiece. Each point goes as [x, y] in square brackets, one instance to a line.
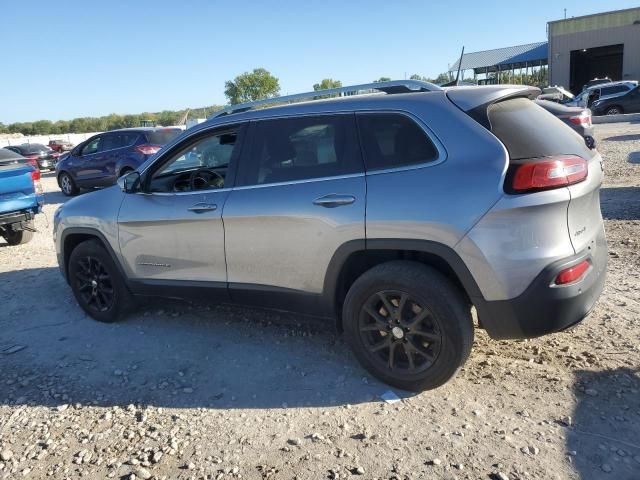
[130, 182]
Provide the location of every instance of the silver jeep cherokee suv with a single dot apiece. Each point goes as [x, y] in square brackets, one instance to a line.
[393, 212]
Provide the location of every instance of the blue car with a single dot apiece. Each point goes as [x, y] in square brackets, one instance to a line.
[21, 197]
[100, 160]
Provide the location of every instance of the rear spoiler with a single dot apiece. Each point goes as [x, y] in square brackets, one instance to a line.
[474, 101]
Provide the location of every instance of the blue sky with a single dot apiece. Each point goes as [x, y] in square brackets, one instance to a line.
[64, 59]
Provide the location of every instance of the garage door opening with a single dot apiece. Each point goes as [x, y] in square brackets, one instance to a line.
[593, 63]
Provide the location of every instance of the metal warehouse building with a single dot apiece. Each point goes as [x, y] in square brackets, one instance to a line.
[594, 46]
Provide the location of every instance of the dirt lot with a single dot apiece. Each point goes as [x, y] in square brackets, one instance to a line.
[190, 391]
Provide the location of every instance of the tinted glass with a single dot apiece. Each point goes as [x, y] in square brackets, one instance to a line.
[34, 148]
[160, 137]
[301, 148]
[528, 131]
[393, 140]
[612, 90]
[109, 142]
[91, 147]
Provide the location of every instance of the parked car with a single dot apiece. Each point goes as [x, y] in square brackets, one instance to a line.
[390, 213]
[596, 81]
[556, 94]
[60, 145]
[43, 155]
[21, 197]
[604, 91]
[626, 103]
[100, 160]
[576, 117]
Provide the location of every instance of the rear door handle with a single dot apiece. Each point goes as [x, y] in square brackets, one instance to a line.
[202, 207]
[334, 200]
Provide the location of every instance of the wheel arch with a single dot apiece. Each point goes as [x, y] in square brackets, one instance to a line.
[354, 258]
[74, 236]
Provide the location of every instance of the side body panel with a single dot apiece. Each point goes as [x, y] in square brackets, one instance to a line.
[276, 236]
[438, 201]
[161, 239]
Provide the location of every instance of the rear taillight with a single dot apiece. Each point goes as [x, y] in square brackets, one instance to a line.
[546, 173]
[572, 274]
[35, 178]
[147, 149]
[583, 119]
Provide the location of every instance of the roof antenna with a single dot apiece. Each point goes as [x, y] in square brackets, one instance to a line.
[456, 82]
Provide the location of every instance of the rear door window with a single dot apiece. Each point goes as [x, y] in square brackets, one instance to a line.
[393, 140]
[613, 90]
[109, 142]
[291, 149]
[528, 131]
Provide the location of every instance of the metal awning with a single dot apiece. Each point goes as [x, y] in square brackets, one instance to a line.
[508, 58]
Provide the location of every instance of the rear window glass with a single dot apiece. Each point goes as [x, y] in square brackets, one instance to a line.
[391, 140]
[612, 90]
[34, 147]
[529, 131]
[160, 137]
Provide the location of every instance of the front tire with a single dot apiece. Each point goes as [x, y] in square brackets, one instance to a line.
[96, 282]
[19, 237]
[67, 185]
[408, 325]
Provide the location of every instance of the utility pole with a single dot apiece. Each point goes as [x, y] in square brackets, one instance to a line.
[565, 13]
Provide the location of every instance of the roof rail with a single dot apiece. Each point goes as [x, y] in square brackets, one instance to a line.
[393, 86]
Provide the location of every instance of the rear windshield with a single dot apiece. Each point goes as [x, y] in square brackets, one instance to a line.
[529, 131]
[160, 137]
[34, 147]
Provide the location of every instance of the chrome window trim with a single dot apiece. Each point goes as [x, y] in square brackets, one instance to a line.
[296, 182]
[441, 158]
[180, 194]
[442, 151]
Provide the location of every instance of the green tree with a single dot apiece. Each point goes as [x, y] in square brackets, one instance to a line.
[382, 79]
[326, 84]
[441, 78]
[251, 86]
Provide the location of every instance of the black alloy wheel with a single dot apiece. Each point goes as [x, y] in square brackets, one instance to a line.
[94, 284]
[399, 332]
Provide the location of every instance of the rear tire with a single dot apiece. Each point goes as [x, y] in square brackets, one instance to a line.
[97, 283]
[615, 110]
[67, 185]
[408, 325]
[19, 237]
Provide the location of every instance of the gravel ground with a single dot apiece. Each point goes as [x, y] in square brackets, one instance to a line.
[181, 390]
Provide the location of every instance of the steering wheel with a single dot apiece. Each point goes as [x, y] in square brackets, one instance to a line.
[206, 175]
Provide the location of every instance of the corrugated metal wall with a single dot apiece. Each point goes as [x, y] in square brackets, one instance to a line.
[594, 31]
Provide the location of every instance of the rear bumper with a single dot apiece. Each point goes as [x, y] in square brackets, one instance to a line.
[16, 217]
[545, 308]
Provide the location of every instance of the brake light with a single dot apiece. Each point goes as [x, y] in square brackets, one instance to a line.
[147, 149]
[572, 274]
[583, 119]
[35, 179]
[552, 172]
